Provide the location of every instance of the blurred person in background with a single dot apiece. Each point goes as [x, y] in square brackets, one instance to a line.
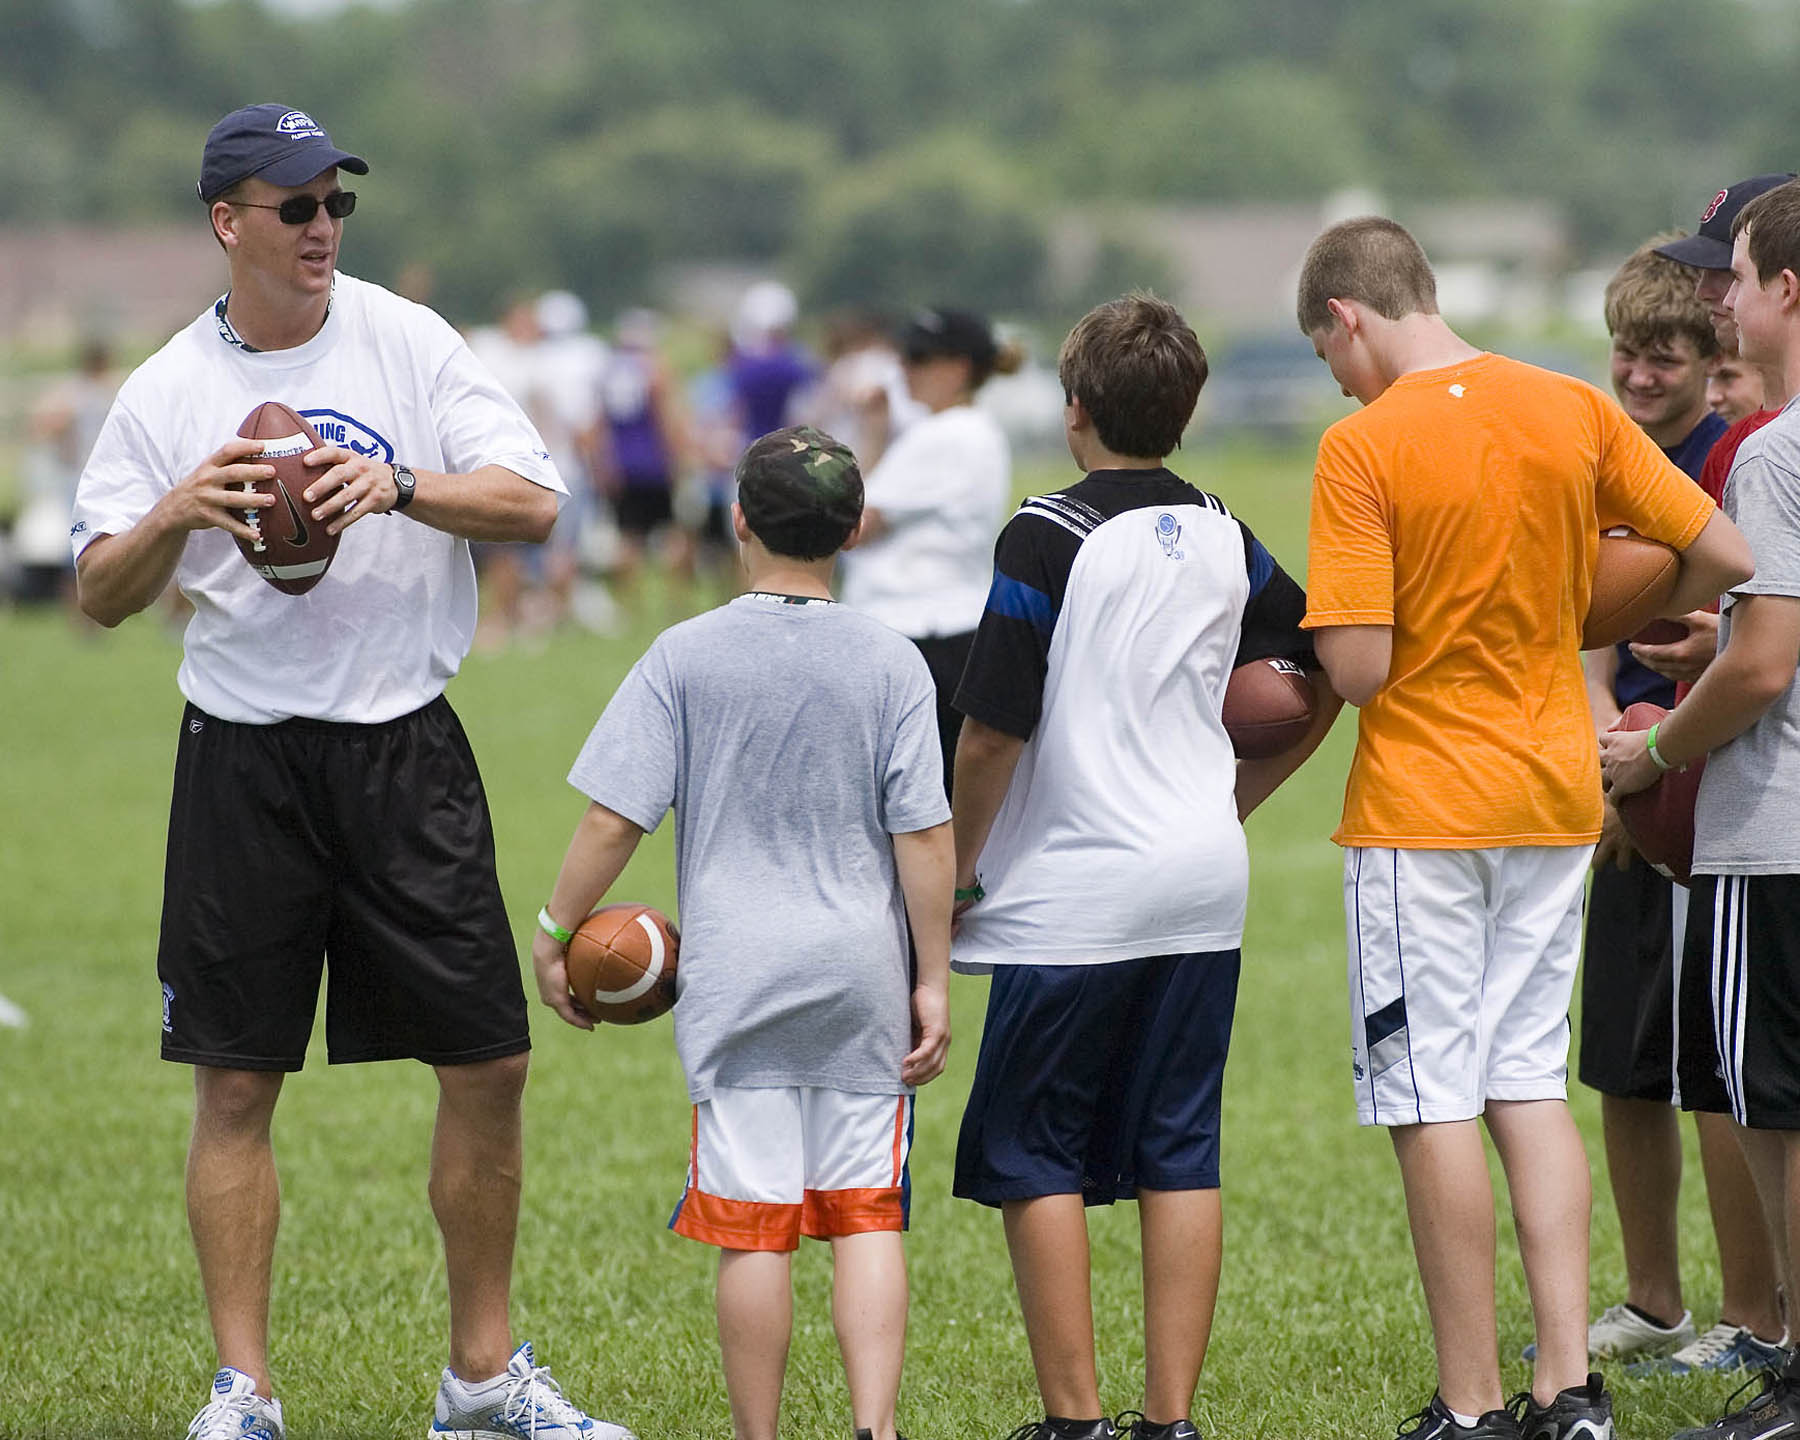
[704, 495]
[62, 430]
[509, 350]
[935, 502]
[861, 398]
[641, 448]
[768, 367]
[571, 365]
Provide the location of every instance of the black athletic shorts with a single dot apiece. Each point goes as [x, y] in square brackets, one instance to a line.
[364, 849]
[642, 510]
[1741, 980]
[1628, 985]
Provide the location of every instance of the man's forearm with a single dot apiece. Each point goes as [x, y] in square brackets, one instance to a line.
[118, 575]
[985, 761]
[492, 503]
[1725, 702]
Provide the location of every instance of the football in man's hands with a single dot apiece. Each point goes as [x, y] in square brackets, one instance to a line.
[1633, 579]
[621, 963]
[292, 550]
[1268, 707]
[1660, 820]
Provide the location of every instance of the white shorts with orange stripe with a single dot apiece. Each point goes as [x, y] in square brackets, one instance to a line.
[770, 1165]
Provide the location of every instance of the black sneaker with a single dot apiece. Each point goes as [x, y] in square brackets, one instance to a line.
[1435, 1422]
[1582, 1412]
[1133, 1426]
[870, 1435]
[1053, 1427]
[1773, 1415]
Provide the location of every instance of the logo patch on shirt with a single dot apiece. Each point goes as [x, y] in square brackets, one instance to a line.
[334, 427]
[168, 1006]
[1457, 391]
[1168, 535]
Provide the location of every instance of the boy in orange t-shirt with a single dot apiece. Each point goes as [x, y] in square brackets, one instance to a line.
[1455, 525]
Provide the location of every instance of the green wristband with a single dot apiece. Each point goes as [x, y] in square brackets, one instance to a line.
[974, 892]
[547, 923]
[1656, 758]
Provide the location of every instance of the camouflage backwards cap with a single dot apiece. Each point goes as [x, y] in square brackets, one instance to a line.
[801, 491]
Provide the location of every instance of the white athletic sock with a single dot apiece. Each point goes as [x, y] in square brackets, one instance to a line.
[1468, 1422]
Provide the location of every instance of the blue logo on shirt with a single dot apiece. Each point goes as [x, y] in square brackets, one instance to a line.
[336, 428]
[1168, 535]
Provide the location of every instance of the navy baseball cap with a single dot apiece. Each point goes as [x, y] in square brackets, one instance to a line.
[1711, 248]
[283, 145]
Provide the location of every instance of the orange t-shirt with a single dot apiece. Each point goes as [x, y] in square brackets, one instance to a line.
[1463, 508]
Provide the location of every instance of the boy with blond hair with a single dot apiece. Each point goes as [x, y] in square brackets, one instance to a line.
[1455, 527]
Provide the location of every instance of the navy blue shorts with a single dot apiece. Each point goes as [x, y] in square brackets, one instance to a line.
[1094, 1080]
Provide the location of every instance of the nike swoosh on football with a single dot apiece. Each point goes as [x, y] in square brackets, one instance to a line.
[300, 534]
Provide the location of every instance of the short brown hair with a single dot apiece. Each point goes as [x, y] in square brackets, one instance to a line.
[1137, 368]
[1650, 301]
[1372, 260]
[1773, 221]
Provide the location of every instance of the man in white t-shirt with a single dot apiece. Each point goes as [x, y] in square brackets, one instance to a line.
[317, 749]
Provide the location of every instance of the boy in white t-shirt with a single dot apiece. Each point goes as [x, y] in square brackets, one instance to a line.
[796, 741]
[1097, 792]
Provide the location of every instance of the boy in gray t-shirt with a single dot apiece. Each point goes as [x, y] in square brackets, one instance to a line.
[1743, 717]
[797, 744]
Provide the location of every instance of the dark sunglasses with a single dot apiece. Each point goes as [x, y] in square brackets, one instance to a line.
[300, 209]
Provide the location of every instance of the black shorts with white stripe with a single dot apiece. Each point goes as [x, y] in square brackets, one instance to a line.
[1741, 998]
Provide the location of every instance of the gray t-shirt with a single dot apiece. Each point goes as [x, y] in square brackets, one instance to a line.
[793, 739]
[1747, 820]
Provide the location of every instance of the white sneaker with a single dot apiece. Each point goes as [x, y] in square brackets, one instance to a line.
[523, 1404]
[1724, 1347]
[1622, 1334]
[237, 1412]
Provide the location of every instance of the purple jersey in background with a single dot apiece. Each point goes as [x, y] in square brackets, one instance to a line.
[764, 380]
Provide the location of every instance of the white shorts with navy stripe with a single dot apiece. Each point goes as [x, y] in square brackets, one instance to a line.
[1461, 967]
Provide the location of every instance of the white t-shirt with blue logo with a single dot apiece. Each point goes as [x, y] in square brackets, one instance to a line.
[390, 623]
[1118, 610]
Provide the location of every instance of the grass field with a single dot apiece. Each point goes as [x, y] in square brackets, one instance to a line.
[1321, 1329]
